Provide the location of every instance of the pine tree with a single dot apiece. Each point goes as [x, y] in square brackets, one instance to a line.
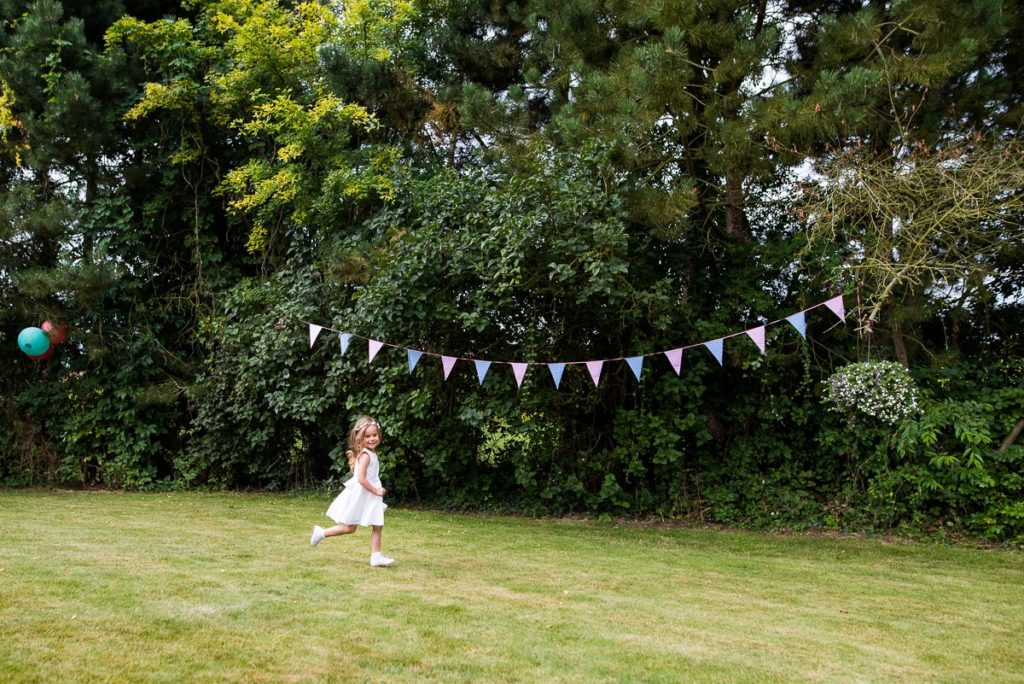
[905, 86]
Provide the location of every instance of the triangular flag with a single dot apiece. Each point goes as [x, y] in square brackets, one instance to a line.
[715, 347]
[595, 370]
[757, 334]
[414, 358]
[556, 372]
[675, 357]
[798, 321]
[481, 369]
[836, 305]
[519, 370]
[314, 330]
[345, 339]
[636, 363]
[374, 348]
[448, 362]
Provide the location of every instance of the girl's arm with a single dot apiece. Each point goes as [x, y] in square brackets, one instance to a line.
[361, 464]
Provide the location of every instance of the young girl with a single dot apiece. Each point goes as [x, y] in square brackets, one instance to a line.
[362, 500]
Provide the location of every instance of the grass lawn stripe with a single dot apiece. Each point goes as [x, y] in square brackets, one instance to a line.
[224, 587]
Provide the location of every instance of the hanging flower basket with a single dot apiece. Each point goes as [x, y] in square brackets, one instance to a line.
[881, 389]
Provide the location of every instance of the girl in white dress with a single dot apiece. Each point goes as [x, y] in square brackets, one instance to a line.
[362, 500]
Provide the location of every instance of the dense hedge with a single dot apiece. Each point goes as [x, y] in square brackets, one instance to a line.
[187, 185]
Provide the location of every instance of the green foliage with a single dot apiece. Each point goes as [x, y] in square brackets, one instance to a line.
[948, 467]
[526, 180]
[527, 266]
[261, 392]
[114, 428]
[374, 28]
[253, 67]
[79, 250]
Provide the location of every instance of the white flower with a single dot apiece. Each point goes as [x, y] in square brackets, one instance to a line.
[880, 389]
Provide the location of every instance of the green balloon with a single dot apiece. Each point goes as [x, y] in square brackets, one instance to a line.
[33, 341]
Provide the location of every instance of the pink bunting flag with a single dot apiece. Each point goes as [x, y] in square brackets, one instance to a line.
[836, 306]
[757, 335]
[448, 362]
[675, 357]
[595, 370]
[374, 348]
[519, 370]
[314, 330]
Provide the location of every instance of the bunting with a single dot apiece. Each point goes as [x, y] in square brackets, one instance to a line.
[481, 369]
[519, 370]
[414, 358]
[716, 347]
[675, 357]
[835, 305]
[797, 321]
[556, 372]
[374, 348]
[594, 367]
[636, 364]
[757, 335]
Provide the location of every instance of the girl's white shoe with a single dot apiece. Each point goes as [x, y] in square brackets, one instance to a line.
[379, 560]
[318, 535]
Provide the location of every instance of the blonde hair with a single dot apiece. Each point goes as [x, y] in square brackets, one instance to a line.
[356, 436]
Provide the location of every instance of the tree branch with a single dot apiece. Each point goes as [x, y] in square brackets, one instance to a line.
[1012, 437]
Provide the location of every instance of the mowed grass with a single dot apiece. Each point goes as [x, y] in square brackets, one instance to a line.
[225, 587]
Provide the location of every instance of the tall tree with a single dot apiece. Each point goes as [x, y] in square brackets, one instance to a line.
[301, 170]
[901, 85]
[131, 242]
[66, 227]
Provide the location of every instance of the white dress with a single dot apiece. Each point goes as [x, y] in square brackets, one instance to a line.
[357, 506]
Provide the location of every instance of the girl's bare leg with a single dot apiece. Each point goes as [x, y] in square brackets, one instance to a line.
[375, 536]
[339, 530]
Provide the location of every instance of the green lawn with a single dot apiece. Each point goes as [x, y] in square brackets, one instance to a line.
[200, 587]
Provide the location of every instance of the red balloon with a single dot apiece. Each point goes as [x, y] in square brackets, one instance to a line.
[44, 355]
[55, 332]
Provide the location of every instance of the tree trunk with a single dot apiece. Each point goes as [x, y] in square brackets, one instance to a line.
[735, 225]
[899, 345]
[1012, 437]
[714, 423]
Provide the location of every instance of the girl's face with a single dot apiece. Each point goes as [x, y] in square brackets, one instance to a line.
[371, 437]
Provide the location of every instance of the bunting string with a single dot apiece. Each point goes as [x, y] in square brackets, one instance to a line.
[716, 347]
